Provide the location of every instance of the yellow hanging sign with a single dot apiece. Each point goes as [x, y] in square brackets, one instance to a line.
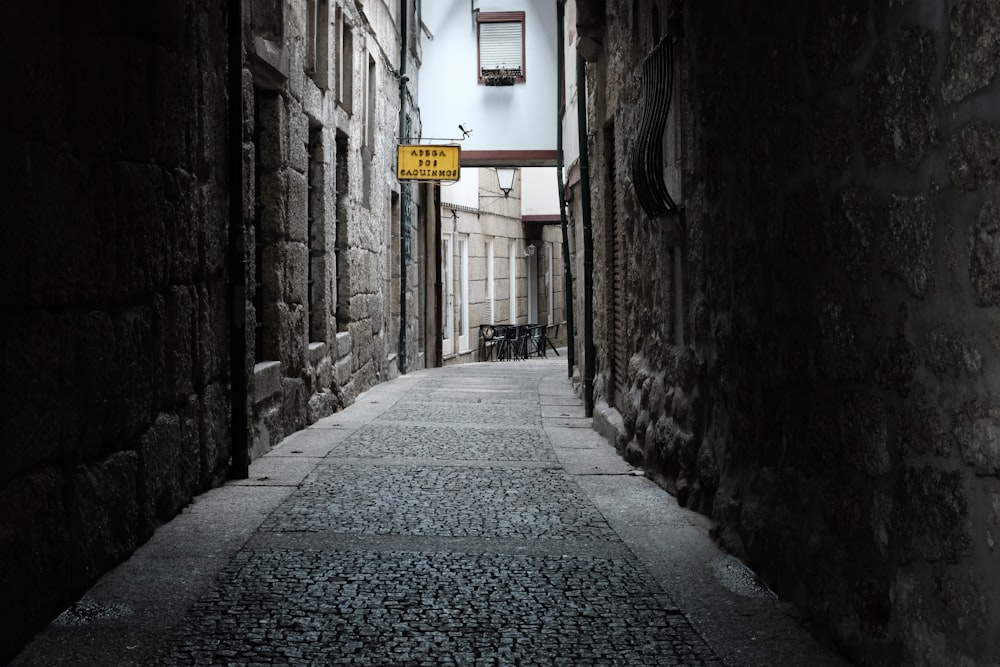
[428, 163]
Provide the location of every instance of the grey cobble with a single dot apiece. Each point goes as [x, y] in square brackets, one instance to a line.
[397, 608]
[431, 523]
[446, 443]
[453, 459]
[443, 501]
[510, 413]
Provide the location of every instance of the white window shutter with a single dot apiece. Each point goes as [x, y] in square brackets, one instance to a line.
[500, 46]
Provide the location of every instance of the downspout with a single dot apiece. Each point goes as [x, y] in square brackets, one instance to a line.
[567, 265]
[438, 279]
[588, 240]
[239, 381]
[404, 209]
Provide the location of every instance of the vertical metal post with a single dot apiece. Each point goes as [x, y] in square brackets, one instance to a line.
[588, 240]
[404, 209]
[567, 263]
[239, 380]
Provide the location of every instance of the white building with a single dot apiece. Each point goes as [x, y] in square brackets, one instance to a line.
[489, 83]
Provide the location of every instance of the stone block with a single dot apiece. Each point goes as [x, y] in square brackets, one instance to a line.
[907, 244]
[895, 363]
[216, 440]
[295, 403]
[865, 428]
[973, 48]
[37, 555]
[102, 514]
[920, 429]
[179, 330]
[141, 239]
[31, 379]
[343, 344]
[931, 515]
[298, 207]
[176, 133]
[839, 353]
[187, 216]
[295, 279]
[137, 349]
[266, 381]
[972, 157]
[169, 456]
[977, 433]
[212, 340]
[291, 337]
[272, 132]
[851, 226]
[57, 247]
[949, 353]
[298, 130]
[342, 370]
[273, 195]
[897, 97]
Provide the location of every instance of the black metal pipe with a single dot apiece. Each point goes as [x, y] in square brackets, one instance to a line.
[239, 377]
[567, 264]
[438, 279]
[588, 240]
[404, 208]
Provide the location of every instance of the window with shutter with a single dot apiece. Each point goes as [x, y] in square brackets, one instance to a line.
[501, 48]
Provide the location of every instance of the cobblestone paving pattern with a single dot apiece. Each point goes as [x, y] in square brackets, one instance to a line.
[398, 608]
[445, 443]
[441, 501]
[442, 532]
[510, 413]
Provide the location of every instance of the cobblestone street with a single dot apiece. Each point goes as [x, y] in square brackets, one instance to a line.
[459, 516]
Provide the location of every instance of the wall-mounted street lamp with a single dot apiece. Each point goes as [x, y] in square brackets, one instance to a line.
[505, 177]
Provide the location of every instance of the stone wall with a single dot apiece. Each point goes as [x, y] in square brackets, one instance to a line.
[113, 343]
[834, 405]
[329, 214]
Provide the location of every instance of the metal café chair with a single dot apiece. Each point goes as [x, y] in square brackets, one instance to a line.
[487, 342]
[534, 341]
[496, 342]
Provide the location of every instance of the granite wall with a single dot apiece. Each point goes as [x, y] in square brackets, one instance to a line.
[833, 398]
[113, 342]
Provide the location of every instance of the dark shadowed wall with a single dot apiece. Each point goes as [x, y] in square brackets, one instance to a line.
[833, 398]
[113, 340]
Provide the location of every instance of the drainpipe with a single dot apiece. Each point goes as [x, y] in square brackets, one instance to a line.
[404, 209]
[588, 240]
[438, 279]
[239, 381]
[567, 265]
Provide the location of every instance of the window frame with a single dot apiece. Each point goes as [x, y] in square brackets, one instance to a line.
[493, 18]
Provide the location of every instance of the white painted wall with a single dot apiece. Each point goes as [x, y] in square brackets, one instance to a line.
[465, 191]
[539, 191]
[518, 117]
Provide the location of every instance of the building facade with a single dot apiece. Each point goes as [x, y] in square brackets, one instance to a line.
[332, 229]
[204, 248]
[793, 226]
[499, 265]
[490, 86]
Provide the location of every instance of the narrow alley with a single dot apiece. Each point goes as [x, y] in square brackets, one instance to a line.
[466, 515]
